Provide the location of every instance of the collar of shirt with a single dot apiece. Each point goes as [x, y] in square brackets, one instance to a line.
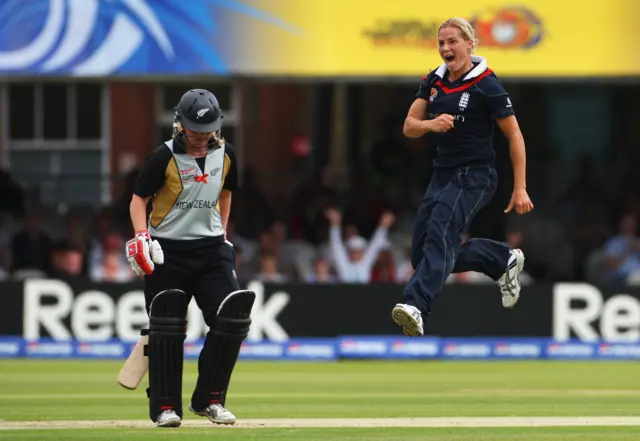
[473, 73]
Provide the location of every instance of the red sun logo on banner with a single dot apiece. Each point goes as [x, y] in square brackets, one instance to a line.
[508, 28]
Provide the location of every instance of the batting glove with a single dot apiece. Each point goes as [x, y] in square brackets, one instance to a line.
[143, 253]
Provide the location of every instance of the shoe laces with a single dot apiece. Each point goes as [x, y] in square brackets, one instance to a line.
[510, 283]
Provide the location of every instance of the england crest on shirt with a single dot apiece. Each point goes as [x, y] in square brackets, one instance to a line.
[464, 101]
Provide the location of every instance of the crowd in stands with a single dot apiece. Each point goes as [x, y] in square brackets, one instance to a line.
[588, 231]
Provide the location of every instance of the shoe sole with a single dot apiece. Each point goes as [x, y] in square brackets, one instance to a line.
[229, 423]
[520, 266]
[171, 423]
[202, 414]
[515, 302]
[410, 327]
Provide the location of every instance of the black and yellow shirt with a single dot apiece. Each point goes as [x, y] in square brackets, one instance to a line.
[186, 191]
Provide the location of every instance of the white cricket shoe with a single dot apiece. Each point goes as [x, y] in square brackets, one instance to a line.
[216, 414]
[168, 418]
[410, 318]
[509, 283]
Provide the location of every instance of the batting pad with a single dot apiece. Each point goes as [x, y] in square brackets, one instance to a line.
[221, 349]
[167, 332]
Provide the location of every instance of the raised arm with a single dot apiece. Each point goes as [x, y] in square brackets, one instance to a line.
[339, 251]
[379, 239]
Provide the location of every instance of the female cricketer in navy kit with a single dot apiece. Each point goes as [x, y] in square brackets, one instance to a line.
[462, 100]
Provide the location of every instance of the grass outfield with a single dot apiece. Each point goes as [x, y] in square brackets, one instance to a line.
[361, 394]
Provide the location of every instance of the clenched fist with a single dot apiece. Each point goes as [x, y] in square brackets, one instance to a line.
[441, 124]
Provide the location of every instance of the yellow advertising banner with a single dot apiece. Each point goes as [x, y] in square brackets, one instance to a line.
[530, 38]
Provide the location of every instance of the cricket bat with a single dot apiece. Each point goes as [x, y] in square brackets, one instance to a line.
[135, 367]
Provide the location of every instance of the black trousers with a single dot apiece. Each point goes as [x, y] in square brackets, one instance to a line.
[204, 272]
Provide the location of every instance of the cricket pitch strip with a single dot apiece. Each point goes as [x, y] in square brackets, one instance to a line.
[462, 422]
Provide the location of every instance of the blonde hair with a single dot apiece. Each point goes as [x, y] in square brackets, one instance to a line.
[468, 33]
[177, 128]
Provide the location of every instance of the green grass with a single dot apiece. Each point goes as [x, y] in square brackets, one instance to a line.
[87, 390]
[499, 434]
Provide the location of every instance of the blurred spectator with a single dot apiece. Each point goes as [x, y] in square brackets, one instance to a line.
[308, 204]
[350, 231]
[77, 233]
[622, 252]
[67, 260]
[113, 269]
[105, 239]
[577, 228]
[384, 269]
[272, 241]
[247, 246]
[111, 265]
[279, 230]
[404, 270]
[321, 272]
[268, 242]
[31, 248]
[251, 211]
[269, 269]
[289, 252]
[354, 259]
[243, 270]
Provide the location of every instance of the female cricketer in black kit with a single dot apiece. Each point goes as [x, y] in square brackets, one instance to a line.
[182, 252]
[462, 100]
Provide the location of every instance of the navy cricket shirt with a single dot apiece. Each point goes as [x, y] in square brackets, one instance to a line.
[475, 100]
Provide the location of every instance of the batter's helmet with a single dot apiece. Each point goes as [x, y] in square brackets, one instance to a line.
[198, 110]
